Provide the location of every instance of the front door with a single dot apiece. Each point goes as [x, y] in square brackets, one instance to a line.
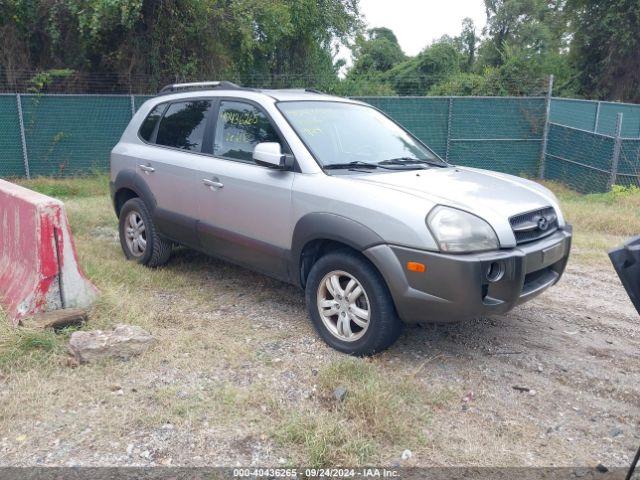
[244, 209]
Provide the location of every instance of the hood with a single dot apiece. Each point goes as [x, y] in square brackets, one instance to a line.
[490, 195]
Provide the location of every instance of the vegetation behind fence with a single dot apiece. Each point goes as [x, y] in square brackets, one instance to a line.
[587, 145]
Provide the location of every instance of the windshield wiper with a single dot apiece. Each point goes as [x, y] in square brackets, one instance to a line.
[412, 161]
[354, 164]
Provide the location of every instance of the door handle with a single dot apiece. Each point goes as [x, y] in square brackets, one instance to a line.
[146, 168]
[212, 183]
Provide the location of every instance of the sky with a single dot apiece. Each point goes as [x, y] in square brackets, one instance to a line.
[417, 23]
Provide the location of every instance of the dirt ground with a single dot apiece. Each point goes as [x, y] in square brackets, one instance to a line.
[239, 377]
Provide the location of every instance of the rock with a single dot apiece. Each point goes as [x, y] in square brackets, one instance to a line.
[521, 388]
[532, 392]
[601, 468]
[130, 449]
[340, 393]
[124, 342]
[616, 432]
[469, 397]
[406, 455]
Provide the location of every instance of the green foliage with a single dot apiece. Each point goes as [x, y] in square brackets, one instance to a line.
[287, 41]
[605, 48]
[42, 79]
[20, 347]
[591, 47]
[431, 66]
[378, 52]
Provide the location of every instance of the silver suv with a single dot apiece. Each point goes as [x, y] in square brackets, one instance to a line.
[331, 195]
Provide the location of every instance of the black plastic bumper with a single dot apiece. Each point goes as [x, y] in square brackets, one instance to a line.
[626, 261]
[456, 287]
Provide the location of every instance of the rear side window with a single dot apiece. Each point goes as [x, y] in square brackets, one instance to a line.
[240, 127]
[183, 125]
[149, 124]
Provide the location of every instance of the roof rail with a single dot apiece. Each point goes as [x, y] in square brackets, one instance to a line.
[177, 87]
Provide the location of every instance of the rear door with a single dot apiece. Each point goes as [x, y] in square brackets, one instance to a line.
[244, 208]
[167, 166]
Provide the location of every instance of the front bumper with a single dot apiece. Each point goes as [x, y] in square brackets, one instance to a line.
[455, 287]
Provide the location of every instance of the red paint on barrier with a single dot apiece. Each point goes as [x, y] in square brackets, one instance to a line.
[38, 261]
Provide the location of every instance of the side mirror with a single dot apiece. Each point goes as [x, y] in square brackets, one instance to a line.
[269, 154]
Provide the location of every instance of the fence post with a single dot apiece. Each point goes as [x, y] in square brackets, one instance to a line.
[617, 146]
[595, 125]
[446, 156]
[23, 138]
[133, 105]
[545, 131]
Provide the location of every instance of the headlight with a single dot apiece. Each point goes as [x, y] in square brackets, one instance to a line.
[458, 231]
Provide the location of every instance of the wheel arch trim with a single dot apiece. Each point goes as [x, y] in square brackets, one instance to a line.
[330, 227]
[131, 180]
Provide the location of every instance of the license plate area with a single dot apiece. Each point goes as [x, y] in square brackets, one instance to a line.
[545, 257]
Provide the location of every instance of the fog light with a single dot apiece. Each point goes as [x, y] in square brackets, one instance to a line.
[495, 271]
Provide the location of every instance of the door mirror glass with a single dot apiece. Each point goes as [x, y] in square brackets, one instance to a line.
[269, 154]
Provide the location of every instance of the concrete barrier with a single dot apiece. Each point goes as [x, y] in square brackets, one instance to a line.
[39, 269]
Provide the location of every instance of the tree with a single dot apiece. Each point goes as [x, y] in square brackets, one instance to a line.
[532, 26]
[113, 43]
[434, 64]
[378, 51]
[468, 41]
[605, 48]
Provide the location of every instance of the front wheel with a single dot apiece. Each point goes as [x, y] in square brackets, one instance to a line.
[350, 305]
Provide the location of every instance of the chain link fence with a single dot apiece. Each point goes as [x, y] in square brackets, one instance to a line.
[566, 140]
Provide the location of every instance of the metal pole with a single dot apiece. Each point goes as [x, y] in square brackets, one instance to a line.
[23, 138]
[597, 120]
[446, 156]
[133, 105]
[617, 146]
[545, 132]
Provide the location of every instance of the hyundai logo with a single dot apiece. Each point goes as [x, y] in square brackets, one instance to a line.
[543, 223]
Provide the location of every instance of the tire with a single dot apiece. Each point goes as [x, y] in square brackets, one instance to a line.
[382, 327]
[156, 251]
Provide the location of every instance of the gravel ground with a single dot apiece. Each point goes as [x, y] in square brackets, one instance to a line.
[555, 382]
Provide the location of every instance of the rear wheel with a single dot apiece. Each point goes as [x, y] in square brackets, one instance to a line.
[350, 305]
[138, 236]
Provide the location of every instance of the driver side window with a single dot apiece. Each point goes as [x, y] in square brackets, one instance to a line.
[240, 127]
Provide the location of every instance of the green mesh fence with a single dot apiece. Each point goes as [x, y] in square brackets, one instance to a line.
[72, 134]
[498, 133]
[574, 113]
[425, 117]
[138, 100]
[11, 159]
[597, 117]
[629, 163]
[503, 134]
[579, 159]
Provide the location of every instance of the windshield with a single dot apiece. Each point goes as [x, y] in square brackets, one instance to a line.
[342, 133]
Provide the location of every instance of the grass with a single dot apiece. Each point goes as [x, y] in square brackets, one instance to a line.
[24, 349]
[381, 409]
[600, 220]
[214, 364]
[69, 187]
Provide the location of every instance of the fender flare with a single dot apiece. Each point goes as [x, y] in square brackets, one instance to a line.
[328, 226]
[133, 181]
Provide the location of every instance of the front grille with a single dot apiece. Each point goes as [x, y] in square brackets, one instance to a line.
[531, 226]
